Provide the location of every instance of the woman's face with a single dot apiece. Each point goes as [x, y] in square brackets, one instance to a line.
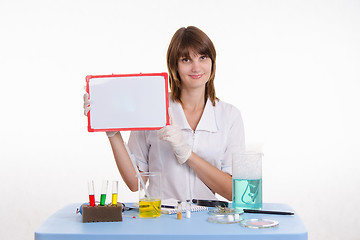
[194, 71]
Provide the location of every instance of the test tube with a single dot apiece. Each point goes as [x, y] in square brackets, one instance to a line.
[103, 192]
[114, 192]
[188, 209]
[91, 192]
[179, 210]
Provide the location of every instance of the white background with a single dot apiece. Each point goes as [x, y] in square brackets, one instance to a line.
[291, 67]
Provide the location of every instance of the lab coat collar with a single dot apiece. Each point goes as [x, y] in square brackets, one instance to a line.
[207, 122]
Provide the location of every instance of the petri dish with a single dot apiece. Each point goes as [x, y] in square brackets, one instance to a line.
[259, 223]
[225, 219]
[228, 211]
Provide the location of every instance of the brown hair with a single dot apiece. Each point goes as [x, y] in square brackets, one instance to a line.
[185, 39]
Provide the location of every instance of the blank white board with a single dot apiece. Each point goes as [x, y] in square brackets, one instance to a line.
[127, 102]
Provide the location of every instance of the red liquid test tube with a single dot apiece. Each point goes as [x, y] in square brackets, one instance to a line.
[91, 193]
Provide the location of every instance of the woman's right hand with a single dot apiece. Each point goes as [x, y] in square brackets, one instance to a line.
[87, 109]
[86, 104]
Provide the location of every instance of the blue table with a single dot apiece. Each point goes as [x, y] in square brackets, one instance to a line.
[66, 224]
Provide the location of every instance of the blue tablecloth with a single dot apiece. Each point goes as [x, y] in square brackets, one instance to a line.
[65, 224]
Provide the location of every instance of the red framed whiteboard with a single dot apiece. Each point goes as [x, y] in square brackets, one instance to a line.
[121, 102]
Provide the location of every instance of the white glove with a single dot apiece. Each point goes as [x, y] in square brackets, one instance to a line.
[86, 104]
[87, 109]
[172, 134]
[111, 133]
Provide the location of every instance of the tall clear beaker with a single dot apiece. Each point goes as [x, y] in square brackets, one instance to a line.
[247, 180]
[149, 197]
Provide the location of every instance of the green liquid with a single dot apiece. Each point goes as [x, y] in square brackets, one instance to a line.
[247, 193]
[102, 199]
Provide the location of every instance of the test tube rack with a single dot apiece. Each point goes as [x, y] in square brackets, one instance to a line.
[106, 213]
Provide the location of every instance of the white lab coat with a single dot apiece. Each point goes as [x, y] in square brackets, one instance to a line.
[219, 133]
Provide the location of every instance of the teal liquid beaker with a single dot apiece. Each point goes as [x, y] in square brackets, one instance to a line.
[247, 180]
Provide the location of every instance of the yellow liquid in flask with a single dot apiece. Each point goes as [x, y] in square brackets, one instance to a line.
[149, 207]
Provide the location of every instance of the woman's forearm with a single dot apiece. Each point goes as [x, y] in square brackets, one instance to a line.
[217, 180]
[123, 162]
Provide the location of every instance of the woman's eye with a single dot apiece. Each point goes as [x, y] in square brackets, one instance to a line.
[185, 60]
[203, 57]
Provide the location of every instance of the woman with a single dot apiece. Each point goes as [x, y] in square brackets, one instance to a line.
[194, 152]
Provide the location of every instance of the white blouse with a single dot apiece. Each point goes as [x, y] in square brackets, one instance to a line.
[218, 135]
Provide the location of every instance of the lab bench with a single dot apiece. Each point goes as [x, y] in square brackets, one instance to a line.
[65, 224]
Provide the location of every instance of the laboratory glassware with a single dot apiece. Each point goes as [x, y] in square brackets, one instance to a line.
[149, 194]
[247, 180]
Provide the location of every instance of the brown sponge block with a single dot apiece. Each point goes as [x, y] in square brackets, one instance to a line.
[107, 213]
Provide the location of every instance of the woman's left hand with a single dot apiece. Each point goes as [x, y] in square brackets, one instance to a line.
[172, 134]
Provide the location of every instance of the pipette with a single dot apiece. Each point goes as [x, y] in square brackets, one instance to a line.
[137, 171]
[103, 192]
[91, 192]
[114, 192]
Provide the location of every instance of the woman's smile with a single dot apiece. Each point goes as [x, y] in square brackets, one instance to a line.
[196, 76]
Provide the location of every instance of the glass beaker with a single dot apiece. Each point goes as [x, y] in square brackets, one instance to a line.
[247, 180]
[149, 194]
